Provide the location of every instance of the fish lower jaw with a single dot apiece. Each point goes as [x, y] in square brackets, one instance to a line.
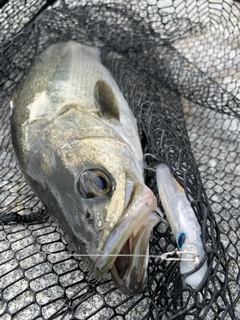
[122, 262]
[125, 251]
[129, 268]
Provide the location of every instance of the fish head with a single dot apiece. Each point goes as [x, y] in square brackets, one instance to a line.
[105, 208]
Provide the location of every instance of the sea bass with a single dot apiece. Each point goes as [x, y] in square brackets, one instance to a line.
[77, 143]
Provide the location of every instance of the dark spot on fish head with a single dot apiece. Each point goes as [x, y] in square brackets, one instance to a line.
[106, 101]
[89, 218]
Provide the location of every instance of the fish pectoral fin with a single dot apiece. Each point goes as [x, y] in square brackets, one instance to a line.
[106, 101]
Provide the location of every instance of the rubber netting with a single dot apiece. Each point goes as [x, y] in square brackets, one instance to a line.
[177, 63]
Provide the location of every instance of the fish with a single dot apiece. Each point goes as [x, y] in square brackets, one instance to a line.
[184, 225]
[76, 141]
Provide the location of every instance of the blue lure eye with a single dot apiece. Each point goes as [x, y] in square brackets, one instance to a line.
[181, 240]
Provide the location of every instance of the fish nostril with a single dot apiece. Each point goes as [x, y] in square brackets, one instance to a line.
[89, 217]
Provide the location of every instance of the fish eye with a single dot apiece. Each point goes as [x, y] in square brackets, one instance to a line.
[181, 240]
[94, 183]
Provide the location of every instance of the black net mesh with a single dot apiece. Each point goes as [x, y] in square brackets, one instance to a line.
[177, 64]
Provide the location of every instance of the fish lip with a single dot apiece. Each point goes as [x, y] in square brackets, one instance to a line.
[131, 283]
[133, 227]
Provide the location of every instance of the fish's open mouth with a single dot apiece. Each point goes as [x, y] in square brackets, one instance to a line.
[129, 269]
[122, 262]
[130, 241]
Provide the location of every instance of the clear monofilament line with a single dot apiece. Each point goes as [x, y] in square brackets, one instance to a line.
[165, 256]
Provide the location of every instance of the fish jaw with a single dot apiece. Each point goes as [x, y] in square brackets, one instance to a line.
[130, 237]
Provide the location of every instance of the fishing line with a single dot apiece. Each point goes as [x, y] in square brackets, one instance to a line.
[152, 156]
[164, 257]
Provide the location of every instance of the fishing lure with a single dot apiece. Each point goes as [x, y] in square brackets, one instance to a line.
[183, 223]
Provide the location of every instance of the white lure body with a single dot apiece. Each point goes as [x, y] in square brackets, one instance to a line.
[184, 224]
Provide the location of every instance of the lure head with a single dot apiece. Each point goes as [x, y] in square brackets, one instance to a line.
[194, 252]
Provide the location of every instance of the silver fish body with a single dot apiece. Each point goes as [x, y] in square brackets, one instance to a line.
[77, 144]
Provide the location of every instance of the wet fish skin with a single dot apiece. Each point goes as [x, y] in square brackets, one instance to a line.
[77, 144]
